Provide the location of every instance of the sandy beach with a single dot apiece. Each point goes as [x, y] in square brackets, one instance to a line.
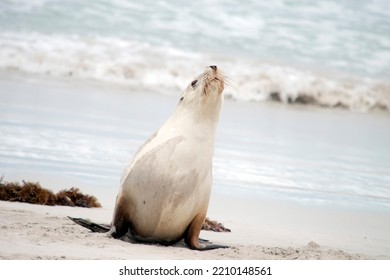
[44, 232]
[91, 119]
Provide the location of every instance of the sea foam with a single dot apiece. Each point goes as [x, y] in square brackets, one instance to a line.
[132, 63]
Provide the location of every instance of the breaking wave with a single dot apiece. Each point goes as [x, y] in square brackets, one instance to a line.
[124, 62]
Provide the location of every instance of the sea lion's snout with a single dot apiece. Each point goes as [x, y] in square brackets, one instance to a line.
[212, 79]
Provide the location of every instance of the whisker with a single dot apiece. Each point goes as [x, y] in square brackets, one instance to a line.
[227, 80]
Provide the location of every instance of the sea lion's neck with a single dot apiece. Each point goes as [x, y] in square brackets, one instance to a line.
[199, 118]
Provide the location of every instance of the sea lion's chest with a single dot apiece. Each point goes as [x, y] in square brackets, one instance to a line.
[172, 180]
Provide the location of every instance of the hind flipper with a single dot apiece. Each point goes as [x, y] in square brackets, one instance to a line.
[90, 225]
[191, 237]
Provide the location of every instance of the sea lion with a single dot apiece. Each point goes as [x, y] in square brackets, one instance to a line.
[165, 189]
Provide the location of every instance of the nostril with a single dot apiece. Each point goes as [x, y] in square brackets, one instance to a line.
[213, 67]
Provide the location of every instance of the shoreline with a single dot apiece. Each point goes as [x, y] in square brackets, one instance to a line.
[274, 99]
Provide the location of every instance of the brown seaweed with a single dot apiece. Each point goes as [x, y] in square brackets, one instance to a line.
[34, 193]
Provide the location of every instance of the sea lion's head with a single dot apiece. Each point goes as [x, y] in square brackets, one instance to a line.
[206, 89]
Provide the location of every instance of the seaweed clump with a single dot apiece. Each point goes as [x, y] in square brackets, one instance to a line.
[34, 193]
[214, 226]
[73, 197]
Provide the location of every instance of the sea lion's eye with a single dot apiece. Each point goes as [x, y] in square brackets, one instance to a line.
[181, 99]
[193, 83]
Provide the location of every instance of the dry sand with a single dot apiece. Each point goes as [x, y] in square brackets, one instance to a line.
[44, 232]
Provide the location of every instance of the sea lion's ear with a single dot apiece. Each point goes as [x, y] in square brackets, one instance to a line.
[181, 98]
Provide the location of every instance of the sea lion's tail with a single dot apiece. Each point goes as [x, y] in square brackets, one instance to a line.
[90, 225]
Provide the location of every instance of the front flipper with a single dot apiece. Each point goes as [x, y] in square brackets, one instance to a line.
[206, 245]
[90, 225]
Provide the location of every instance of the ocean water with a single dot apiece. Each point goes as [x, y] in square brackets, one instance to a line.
[330, 53]
[327, 53]
[83, 136]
